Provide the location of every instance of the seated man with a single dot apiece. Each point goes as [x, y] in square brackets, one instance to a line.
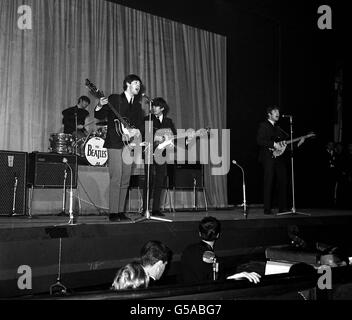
[195, 264]
[154, 258]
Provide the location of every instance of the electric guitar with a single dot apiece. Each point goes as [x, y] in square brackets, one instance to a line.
[281, 149]
[122, 126]
[164, 137]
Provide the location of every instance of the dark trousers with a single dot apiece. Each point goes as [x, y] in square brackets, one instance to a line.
[120, 174]
[275, 171]
[158, 175]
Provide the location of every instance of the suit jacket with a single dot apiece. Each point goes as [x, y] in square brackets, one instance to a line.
[167, 123]
[134, 114]
[266, 136]
[193, 268]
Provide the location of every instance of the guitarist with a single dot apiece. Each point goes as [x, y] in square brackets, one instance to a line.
[268, 138]
[126, 104]
[158, 172]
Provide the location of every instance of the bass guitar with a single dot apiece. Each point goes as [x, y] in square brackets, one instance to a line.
[283, 144]
[122, 126]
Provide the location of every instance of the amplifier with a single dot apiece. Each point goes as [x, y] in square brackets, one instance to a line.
[185, 176]
[48, 170]
[13, 166]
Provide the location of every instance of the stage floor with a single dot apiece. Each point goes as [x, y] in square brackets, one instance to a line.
[231, 214]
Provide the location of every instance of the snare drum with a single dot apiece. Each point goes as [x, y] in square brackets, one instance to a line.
[61, 143]
[94, 151]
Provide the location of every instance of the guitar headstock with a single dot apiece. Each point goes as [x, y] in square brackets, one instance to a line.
[311, 135]
[94, 90]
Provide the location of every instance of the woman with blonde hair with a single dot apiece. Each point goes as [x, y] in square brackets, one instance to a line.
[131, 276]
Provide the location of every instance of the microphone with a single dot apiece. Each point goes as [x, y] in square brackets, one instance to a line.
[286, 116]
[64, 160]
[148, 98]
[244, 204]
[209, 257]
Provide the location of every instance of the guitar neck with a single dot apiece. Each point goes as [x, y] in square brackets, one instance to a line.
[294, 140]
[122, 120]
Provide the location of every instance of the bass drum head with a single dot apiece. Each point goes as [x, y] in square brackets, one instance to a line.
[95, 153]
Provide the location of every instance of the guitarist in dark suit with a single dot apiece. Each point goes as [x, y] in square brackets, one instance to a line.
[158, 172]
[269, 137]
[127, 105]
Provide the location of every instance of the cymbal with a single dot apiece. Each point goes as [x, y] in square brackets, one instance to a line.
[102, 123]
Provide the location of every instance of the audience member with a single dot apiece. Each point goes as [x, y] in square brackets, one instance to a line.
[198, 262]
[154, 258]
[131, 276]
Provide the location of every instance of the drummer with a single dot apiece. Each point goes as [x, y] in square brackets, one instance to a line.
[78, 111]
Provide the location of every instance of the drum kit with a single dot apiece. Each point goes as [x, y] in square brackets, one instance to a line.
[88, 148]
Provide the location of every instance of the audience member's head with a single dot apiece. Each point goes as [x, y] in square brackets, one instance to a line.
[302, 269]
[336, 257]
[154, 258]
[209, 229]
[131, 276]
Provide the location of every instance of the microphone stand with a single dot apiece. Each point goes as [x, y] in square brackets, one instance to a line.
[215, 269]
[244, 204]
[76, 122]
[72, 219]
[149, 147]
[63, 212]
[14, 197]
[293, 210]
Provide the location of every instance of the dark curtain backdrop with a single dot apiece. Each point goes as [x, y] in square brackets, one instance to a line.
[42, 70]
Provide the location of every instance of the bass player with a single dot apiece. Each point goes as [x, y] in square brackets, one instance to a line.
[128, 106]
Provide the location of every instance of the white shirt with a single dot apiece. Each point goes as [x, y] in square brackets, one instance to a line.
[161, 116]
[129, 97]
[272, 122]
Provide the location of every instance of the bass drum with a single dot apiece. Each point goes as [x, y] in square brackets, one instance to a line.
[95, 153]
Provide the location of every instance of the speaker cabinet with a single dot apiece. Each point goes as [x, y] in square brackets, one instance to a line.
[185, 176]
[47, 170]
[13, 167]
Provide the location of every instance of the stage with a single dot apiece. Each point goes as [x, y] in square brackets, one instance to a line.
[94, 248]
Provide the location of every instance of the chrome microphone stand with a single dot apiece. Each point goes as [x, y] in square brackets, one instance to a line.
[63, 212]
[14, 197]
[293, 210]
[149, 153]
[72, 219]
[244, 204]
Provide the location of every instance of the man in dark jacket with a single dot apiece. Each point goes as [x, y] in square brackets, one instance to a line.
[270, 137]
[162, 125]
[127, 106]
[195, 260]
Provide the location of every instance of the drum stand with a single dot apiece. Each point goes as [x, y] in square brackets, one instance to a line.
[293, 210]
[147, 215]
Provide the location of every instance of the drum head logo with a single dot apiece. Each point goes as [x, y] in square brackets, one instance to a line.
[95, 154]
